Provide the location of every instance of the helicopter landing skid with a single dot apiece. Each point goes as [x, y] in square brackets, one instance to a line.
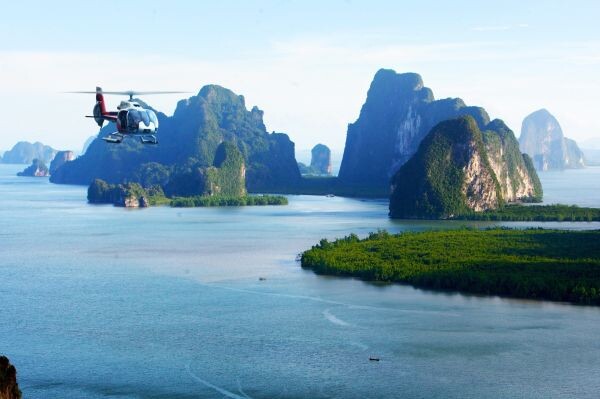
[115, 138]
[149, 139]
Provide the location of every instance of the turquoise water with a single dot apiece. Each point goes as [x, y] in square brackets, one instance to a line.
[100, 302]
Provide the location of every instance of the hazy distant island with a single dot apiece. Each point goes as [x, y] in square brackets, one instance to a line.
[555, 265]
[25, 152]
[320, 162]
[543, 139]
[38, 156]
[222, 184]
[37, 169]
[9, 388]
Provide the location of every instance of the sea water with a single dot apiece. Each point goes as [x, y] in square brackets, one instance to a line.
[99, 301]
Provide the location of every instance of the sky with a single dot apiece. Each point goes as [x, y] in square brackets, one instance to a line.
[306, 64]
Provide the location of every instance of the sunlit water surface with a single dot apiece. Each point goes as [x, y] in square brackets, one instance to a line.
[99, 302]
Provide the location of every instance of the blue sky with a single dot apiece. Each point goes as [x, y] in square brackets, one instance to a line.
[307, 64]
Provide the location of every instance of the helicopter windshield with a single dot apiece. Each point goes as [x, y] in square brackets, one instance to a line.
[152, 117]
[135, 116]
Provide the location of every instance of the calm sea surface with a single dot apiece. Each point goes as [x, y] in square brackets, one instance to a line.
[103, 302]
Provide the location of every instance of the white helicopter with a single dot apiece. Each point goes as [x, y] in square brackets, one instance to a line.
[131, 118]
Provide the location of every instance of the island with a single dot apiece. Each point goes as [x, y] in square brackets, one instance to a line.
[37, 169]
[543, 139]
[320, 162]
[459, 170]
[25, 152]
[555, 265]
[222, 184]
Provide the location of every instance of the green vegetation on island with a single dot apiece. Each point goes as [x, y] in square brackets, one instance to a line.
[458, 170]
[536, 213]
[222, 184]
[219, 200]
[191, 185]
[555, 265]
[129, 195]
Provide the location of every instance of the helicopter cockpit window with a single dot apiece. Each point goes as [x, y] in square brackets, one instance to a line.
[145, 117]
[153, 117]
[133, 118]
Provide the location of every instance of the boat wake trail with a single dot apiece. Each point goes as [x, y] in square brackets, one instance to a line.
[332, 318]
[331, 302]
[222, 391]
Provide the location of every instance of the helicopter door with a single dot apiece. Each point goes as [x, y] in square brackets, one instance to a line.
[122, 121]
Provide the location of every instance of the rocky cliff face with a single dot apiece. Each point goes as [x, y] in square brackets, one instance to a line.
[320, 161]
[25, 152]
[9, 389]
[227, 176]
[458, 169]
[36, 169]
[514, 171]
[397, 115]
[61, 158]
[543, 140]
[128, 195]
[575, 157]
[194, 132]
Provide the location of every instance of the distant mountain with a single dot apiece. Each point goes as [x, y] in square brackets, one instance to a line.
[321, 159]
[191, 136]
[542, 138]
[398, 113]
[320, 162]
[304, 156]
[25, 152]
[36, 169]
[459, 169]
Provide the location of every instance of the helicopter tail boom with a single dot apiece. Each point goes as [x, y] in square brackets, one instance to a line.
[100, 113]
[100, 100]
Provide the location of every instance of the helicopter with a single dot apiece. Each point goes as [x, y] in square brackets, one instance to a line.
[131, 118]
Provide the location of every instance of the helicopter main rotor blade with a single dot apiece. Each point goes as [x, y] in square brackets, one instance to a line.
[129, 93]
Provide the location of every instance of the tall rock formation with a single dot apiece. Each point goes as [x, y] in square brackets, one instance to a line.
[9, 388]
[458, 169]
[542, 138]
[226, 176]
[398, 113]
[26, 152]
[36, 169]
[320, 161]
[191, 136]
[61, 158]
